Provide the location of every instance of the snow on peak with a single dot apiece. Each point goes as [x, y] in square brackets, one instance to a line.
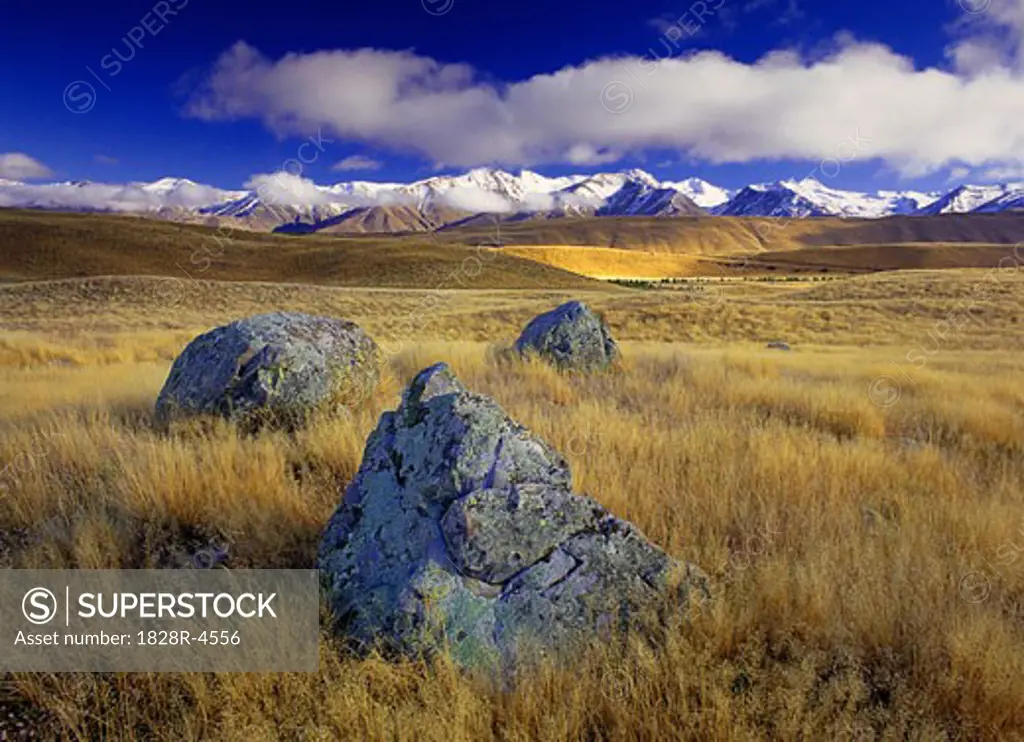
[165, 185]
[811, 197]
[493, 190]
[967, 198]
[641, 176]
[1012, 199]
[702, 193]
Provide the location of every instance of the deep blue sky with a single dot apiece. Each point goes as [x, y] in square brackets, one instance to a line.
[45, 46]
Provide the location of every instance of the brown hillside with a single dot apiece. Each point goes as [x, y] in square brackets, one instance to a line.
[735, 235]
[855, 258]
[44, 245]
[386, 219]
[970, 228]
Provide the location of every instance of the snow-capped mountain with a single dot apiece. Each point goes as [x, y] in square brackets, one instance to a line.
[968, 198]
[479, 190]
[595, 190]
[809, 197]
[361, 190]
[166, 186]
[772, 199]
[281, 200]
[483, 189]
[250, 205]
[908, 202]
[1011, 200]
[639, 197]
[704, 194]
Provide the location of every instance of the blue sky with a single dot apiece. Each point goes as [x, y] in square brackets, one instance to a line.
[114, 92]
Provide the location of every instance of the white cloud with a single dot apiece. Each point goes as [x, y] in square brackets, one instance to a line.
[107, 197]
[990, 37]
[286, 189]
[357, 162]
[706, 106]
[105, 160]
[958, 174]
[586, 154]
[477, 200]
[1004, 173]
[185, 194]
[19, 166]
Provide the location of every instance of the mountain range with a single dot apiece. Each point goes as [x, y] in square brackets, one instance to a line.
[287, 203]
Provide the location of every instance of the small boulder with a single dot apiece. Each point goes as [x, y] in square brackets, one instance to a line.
[271, 368]
[778, 345]
[461, 532]
[570, 337]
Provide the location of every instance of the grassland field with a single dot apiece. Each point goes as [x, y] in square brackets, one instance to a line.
[857, 502]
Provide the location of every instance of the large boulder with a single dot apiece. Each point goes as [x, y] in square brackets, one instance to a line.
[271, 368]
[460, 531]
[571, 337]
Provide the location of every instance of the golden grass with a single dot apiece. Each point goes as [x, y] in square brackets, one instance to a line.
[614, 263]
[836, 531]
[73, 321]
[608, 262]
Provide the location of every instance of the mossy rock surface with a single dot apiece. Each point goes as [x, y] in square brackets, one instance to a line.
[279, 369]
[461, 533]
[571, 337]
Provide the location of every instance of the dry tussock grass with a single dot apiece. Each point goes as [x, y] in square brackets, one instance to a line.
[836, 532]
[140, 319]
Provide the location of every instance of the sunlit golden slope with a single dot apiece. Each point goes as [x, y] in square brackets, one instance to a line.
[607, 262]
[610, 262]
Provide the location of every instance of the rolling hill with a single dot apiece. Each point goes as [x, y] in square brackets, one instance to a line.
[558, 253]
[46, 246]
[742, 235]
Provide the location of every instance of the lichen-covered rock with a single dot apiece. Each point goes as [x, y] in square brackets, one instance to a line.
[271, 368]
[461, 531]
[571, 337]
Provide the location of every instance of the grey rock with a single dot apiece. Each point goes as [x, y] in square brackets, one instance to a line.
[492, 534]
[778, 345]
[461, 531]
[571, 337]
[271, 368]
